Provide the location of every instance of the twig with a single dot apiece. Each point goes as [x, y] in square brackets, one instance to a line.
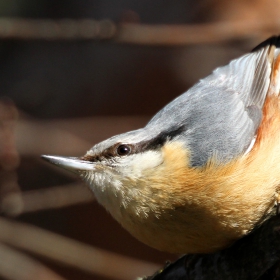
[131, 33]
[180, 35]
[69, 137]
[9, 157]
[17, 266]
[15, 204]
[64, 29]
[70, 252]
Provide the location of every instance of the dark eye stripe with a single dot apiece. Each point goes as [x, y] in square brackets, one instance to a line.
[159, 140]
[124, 149]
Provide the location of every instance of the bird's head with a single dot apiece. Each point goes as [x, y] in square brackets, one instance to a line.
[118, 170]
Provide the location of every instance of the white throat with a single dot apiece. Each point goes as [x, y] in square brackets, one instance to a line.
[117, 186]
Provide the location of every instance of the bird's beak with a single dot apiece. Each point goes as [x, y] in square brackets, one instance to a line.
[70, 163]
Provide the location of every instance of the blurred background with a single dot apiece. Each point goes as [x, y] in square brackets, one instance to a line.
[73, 73]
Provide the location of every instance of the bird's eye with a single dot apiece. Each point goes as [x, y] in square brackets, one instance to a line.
[123, 150]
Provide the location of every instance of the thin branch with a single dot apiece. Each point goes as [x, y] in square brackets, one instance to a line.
[69, 137]
[64, 29]
[18, 203]
[180, 35]
[73, 253]
[17, 266]
[132, 33]
[9, 157]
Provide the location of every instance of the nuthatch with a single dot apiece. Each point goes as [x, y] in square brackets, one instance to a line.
[205, 170]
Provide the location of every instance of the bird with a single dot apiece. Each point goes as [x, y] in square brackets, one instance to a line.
[205, 170]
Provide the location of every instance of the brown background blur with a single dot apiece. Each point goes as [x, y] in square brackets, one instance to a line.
[56, 82]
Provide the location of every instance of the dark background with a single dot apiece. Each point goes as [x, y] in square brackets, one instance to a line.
[64, 80]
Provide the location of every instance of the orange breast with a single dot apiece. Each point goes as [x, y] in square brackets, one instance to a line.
[200, 210]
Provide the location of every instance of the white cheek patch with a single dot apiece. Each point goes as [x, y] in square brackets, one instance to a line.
[110, 184]
[134, 165]
[107, 190]
[101, 182]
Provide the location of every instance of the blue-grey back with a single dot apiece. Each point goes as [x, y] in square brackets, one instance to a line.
[220, 115]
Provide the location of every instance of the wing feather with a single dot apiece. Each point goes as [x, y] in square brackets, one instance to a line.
[222, 112]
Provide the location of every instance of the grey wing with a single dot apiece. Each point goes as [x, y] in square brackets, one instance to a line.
[220, 114]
